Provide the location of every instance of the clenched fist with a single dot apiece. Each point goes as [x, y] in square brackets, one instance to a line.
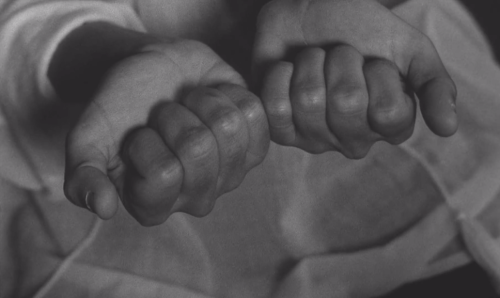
[340, 75]
[192, 152]
[141, 139]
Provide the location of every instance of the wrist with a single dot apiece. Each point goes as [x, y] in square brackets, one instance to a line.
[87, 53]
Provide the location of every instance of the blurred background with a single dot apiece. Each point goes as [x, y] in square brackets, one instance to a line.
[487, 14]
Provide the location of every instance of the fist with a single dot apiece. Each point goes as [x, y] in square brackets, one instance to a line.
[192, 152]
[335, 100]
[351, 84]
[183, 144]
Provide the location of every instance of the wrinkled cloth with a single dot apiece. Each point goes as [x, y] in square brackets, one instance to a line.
[271, 237]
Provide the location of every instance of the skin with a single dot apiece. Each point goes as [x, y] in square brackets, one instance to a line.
[332, 84]
[341, 75]
[170, 128]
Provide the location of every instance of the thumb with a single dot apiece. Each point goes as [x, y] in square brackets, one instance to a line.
[435, 90]
[86, 181]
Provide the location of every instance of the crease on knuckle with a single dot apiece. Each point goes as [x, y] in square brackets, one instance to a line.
[227, 121]
[310, 98]
[279, 114]
[391, 117]
[349, 101]
[167, 170]
[252, 108]
[195, 143]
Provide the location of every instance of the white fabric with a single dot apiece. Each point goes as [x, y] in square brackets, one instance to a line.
[280, 215]
[29, 35]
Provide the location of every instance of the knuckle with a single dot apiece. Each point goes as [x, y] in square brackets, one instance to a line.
[349, 101]
[195, 143]
[168, 171]
[391, 120]
[207, 92]
[310, 98]
[389, 117]
[252, 108]
[279, 114]
[227, 121]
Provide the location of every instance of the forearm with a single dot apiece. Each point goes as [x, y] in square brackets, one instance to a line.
[87, 53]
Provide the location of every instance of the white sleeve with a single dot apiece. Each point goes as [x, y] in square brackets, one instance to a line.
[30, 34]
[30, 31]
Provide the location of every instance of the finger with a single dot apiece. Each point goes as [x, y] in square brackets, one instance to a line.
[86, 179]
[347, 101]
[435, 89]
[227, 124]
[267, 50]
[153, 179]
[391, 112]
[255, 119]
[195, 147]
[308, 99]
[276, 100]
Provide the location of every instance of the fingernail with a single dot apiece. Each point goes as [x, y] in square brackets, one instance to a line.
[89, 200]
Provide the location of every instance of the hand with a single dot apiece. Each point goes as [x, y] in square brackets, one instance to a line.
[334, 100]
[378, 36]
[193, 152]
[158, 172]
